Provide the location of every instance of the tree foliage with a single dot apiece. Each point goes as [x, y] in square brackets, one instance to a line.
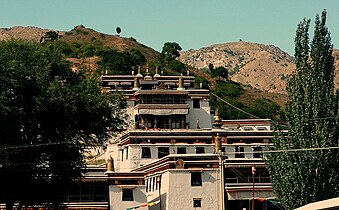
[220, 72]
[228, 91]
[48, 117]
[302, 177]
[116, 62]
[49, 36]
[118, 30]
[170, 51]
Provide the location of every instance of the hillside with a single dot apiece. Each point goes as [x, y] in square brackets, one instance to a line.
[78, 34]
[245, 56]
[264, 67]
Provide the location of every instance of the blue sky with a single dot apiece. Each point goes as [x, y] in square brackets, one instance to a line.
[192, 24]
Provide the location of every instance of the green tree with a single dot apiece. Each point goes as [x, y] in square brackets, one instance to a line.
[265, 108]
[116, 62]
[118, 30]
[137, 58]
[170, 51]
[50, 36]
[306, 176]
[201, 80]
[48, 117]
[220, 72]
[176, 66]
[211, 67]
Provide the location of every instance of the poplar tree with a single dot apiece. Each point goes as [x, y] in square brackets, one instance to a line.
[302, 173]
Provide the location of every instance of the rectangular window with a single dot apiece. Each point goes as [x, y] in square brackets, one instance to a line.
[181, 150]
[149, 185]
[146, 183]
[239, 152]
[157, 182]
[145, 152]
[223, 149]
[196, 202]
[163, 151]
[200, 150]
[196, 103]
[154, 183]
[127, 195]
[257, 152]
[126, 153]
[196, 179]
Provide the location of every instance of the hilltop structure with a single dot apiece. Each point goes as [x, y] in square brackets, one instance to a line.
[176, 154]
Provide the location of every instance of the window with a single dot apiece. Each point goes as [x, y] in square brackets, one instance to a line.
[196, 103]
[127, 194]
[239, 152]
[126, 153]
[146, 183]
[157, 182]
[223, 149]
[154, 183]
[163, 151]
[181, 150]
[196, 179]
[91, 191]
[145, 152]
[257, 152]
[200, 150]
[196, 202]
[149, 185]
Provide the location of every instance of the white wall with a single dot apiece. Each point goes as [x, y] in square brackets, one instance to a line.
[202, 114]
[177, 184]
[115, 200]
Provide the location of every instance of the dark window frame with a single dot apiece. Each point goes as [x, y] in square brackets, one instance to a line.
[256, 150]
[146, 152]
[181, 150]
[196, 202]
[196, 103]
[196, 179]
[127, 195]
[239, 152]
[200, 150]
[163, 152]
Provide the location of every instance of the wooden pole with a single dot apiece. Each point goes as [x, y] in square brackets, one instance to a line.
[253, 172]
[159, 181]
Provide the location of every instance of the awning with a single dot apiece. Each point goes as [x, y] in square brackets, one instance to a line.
[113, 83]
[163, 111]
[169, 83]
[126, 83]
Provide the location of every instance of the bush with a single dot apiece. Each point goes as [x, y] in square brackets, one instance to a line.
[177, 66]
[203, 81]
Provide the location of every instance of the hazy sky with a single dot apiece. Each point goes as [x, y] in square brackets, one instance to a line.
[192, 24]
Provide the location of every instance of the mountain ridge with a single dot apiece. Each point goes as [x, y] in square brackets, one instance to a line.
[264, 67]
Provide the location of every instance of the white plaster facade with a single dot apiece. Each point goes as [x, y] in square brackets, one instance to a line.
[180, 193]
[115, 197]
[162, 179]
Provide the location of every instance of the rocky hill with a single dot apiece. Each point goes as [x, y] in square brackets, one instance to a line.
[27, 33]
[264, 67]
[78, 34]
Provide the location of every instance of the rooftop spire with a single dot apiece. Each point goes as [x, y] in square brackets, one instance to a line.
[181, 83]
[139, 72]
[110, 165]
[156, 72]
